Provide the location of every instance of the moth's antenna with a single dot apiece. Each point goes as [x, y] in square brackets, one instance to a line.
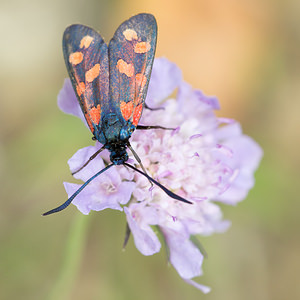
[68, 202]
[168, 192]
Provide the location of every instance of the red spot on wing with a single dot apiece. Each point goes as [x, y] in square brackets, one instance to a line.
[87, 117]
[125, 68]
[75, 58]
[86, 41]
[80, 88]
[142, 47]
[141, 80]
[137, 114]
[95, 114]
[92, 73]
[130, 34]
[126, 109]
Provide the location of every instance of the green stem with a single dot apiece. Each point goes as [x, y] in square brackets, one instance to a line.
[72, 259]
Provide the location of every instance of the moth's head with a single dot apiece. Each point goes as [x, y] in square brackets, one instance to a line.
[119, 156]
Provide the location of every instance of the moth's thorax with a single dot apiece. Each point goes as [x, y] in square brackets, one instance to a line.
[114, 130]
[114, 134]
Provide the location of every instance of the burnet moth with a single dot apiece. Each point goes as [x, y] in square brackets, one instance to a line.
[111, 82]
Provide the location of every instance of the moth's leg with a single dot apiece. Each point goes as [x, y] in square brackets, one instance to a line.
[145, 127]
[127, 235]
[90, 159]
[138, 159]
[151, 108]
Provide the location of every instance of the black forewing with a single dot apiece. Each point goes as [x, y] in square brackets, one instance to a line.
[86, 58]
[131, 53]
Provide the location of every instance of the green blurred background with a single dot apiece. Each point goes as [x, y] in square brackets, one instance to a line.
[244, 52]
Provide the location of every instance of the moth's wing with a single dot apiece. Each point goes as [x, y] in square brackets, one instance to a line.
[86, 58]
[131, 53]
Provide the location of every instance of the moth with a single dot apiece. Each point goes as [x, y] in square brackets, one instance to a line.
[111, 82]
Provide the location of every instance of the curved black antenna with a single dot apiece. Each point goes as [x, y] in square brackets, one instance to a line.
[68, 202]
[168, 192]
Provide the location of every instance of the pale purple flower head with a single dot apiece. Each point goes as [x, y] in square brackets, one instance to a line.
[205, 160]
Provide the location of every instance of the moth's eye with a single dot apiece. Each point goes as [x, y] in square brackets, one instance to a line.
[131, 129]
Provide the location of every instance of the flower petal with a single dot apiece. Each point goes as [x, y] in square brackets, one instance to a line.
[125, 189]
[145, 239]
[184, 255]
[67, 101]
[212, 101]
[165, 78]
[205, 289]
[247, 156]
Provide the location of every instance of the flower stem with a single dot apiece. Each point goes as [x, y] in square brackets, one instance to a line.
[71, 260]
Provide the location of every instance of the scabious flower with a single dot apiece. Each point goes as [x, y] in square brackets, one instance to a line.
[206, 160]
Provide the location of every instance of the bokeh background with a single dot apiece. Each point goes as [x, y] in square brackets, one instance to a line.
[246, 52]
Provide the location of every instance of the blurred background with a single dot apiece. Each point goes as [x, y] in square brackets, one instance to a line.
[246, 53]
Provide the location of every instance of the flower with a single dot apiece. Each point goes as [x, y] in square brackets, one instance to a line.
[206, 160]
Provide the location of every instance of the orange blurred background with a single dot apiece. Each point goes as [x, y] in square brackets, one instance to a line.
[244, 52]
